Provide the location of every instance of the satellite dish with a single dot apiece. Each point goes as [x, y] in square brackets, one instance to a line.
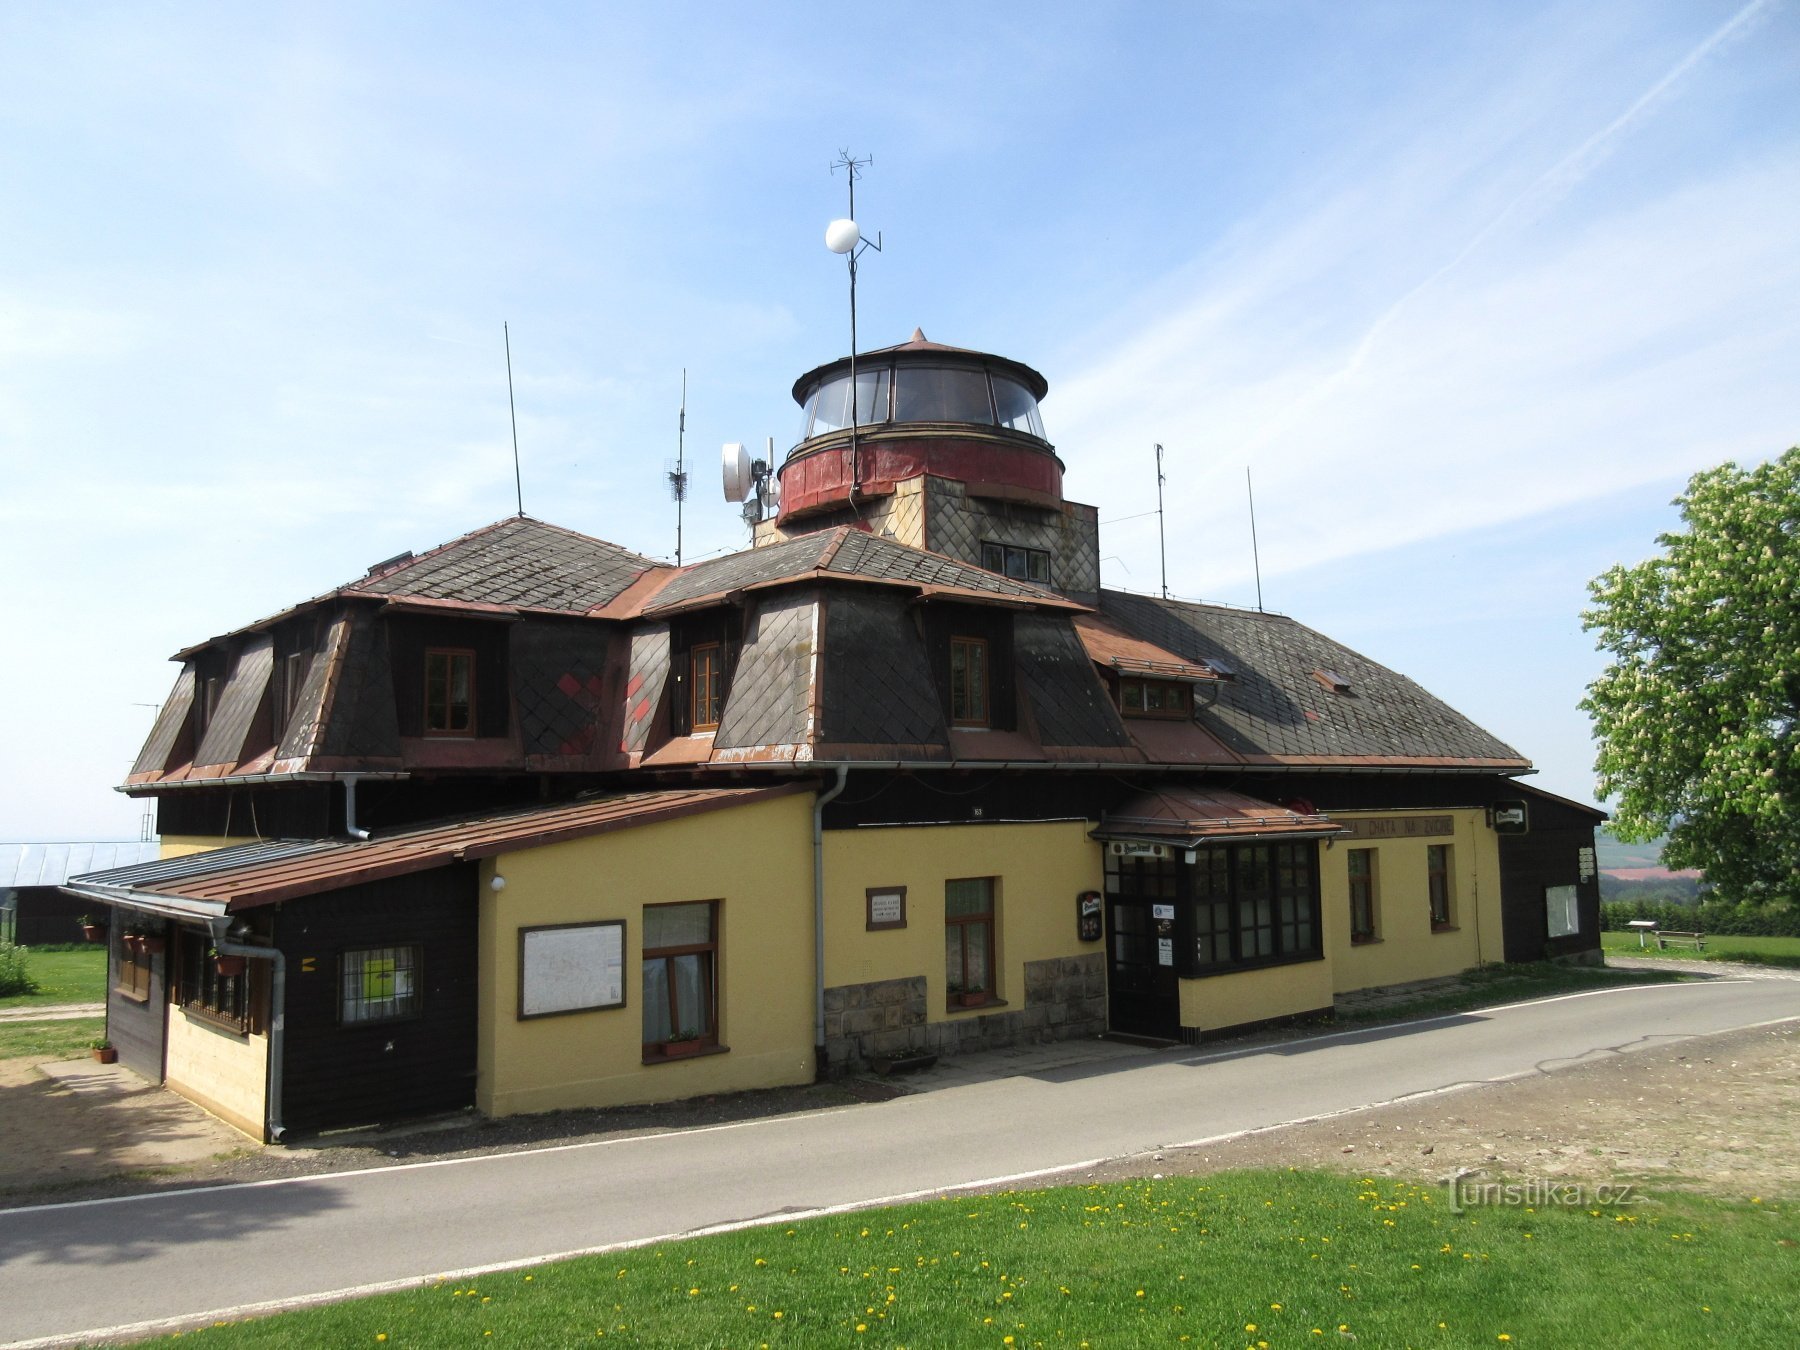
[735, 460]
[842, 235]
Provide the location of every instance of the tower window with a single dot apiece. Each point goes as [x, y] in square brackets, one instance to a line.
[1016, 561]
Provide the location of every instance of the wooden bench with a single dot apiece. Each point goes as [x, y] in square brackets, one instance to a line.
[1664, 936]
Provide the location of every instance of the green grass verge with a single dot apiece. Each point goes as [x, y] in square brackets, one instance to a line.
[67, 1038]
[1762, 951]
[63, 975]
[1488, 986]
[1240, 1259]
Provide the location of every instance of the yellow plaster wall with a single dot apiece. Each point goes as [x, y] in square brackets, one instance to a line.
[1039, 868]
[1220, 1001]
[182, 845]
[755, 860]
[223, 1072]
[1407, 949]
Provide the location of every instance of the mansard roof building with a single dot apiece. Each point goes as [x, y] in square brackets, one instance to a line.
[530, 820]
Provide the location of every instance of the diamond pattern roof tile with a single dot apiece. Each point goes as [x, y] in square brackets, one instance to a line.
[1276, 710]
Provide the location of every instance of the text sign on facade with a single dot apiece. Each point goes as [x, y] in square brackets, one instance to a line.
[1587, 864]
[1165, 951]
[886, 907]
[1400, 827]
[1162, 911]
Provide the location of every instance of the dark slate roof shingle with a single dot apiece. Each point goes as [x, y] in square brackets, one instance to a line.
[1276, 708]
[520, 562]
[842, 552]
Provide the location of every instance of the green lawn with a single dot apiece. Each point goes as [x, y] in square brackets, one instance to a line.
[64, 975]
[1252, 1259]
[63, 1039]
[1768, 951]
[1487, 986]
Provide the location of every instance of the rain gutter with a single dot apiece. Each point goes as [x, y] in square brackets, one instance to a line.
[277, 1020]
[820, 1063]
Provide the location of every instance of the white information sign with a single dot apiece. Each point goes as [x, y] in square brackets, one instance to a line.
[1165, 951]
[569, 969]
[1162, 912]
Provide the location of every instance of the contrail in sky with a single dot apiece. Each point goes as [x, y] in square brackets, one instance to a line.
[1560, 178]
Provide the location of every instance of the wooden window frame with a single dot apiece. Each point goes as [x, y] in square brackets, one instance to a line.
[451, 655]
[708, 1039]
[414, 953]
[1184, 695]
[956, 928]
[134, 970]
[295, 667]
[1440, 893]
[706, 698]
[1228, 900]
[206, 705]
[983, 716]
[206, 995]
[1365, 896]
[993, 551]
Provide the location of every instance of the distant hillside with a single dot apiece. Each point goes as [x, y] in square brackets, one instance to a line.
[1635, 872]
[1615, 856]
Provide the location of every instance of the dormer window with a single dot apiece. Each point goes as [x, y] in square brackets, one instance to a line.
[1155, 698]
[449, 691]
[706, 685]
[703, 653]
[969, 682]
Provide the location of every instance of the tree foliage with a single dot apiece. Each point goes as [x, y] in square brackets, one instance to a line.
[1698, 714]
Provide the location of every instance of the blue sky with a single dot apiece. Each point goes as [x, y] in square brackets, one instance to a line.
[1470, 288]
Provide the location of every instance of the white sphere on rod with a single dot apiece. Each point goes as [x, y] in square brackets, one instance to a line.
[842, 235]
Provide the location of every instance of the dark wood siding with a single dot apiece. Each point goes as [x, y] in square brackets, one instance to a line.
[336, 1075]
[1548, 855]
[137, 1029]
[992, 626]
[408, 639]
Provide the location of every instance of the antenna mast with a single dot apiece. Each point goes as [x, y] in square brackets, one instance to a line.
[852, 246]
[518, 480]
[678, 475]
[1162, 543]
[1255, 556]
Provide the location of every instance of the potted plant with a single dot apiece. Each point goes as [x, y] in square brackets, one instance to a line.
[972, 997]
[150, 943]
[132, 940]
[90, 930]
[104, 1052]
[689, 1041]
[227, 965]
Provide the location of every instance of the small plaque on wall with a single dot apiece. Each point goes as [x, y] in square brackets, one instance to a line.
[887, 907]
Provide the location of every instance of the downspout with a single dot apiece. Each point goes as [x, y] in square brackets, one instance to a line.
[277, 1023]
[820, 1064]
[350, 826]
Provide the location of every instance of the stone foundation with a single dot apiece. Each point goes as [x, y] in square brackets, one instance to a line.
[1064, 998]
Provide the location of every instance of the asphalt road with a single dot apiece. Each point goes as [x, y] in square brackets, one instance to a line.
[145, 1262]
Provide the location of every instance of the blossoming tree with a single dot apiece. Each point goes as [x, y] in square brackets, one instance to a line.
[1698, 714]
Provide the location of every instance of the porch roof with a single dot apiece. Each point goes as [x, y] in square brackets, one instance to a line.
[249, 875]
[1188, 817]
